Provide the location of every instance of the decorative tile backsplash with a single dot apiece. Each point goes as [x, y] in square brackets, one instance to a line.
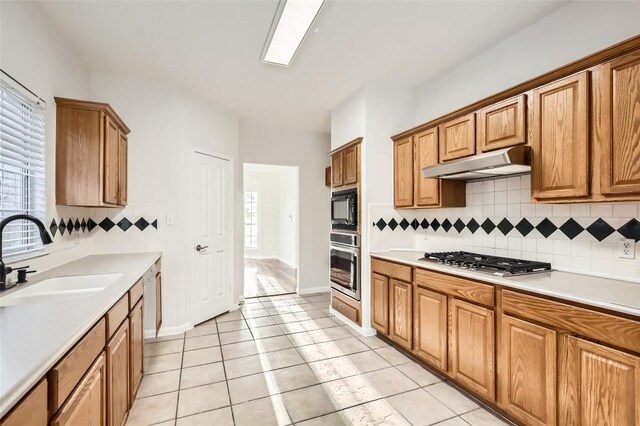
[70, 225]
[500, 219]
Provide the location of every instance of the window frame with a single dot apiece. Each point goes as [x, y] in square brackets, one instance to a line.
[253, 211]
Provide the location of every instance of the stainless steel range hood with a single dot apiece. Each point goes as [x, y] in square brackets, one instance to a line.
[507, 161]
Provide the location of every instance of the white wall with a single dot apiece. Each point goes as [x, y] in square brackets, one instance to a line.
[167, 125]
[348, 119]
[572, 32]
[288, 216]
[262, 144]
[34, 53]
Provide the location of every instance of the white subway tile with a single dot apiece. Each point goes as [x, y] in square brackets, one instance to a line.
[513, 210]
[525, 181]
[488, 186]
[513, 182]
[513, 196]
[500, 184]
[561, 210]
[488, 198]
[602, 210]
[500, 210]
[627, 210]
[543, 210]
[500, 197]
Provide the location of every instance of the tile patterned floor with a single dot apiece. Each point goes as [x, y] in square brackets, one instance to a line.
[286, 360]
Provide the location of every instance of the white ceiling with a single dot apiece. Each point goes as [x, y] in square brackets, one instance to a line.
[213, 47]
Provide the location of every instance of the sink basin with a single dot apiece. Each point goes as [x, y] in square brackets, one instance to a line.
[60, 288]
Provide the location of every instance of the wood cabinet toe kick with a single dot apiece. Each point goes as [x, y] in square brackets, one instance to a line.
[535, 359]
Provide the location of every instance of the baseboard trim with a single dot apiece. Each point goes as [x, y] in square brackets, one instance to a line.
[362, 330]
[167, 331]
[310, 290]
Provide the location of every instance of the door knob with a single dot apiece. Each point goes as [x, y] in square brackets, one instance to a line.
[200, 248]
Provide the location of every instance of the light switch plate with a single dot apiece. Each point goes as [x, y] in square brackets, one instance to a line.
[627, 249]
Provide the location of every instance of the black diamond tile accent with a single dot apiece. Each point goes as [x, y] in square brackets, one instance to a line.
[435, 224]
[53, 228]
[488, 226]
[91, 224]
[631, 230]
[404, 224]
[505, 226]
[446, 225]
[142, 224]
[392, 224]
[124, 224]
[424, 224]
[381, 224]
[70, 226]
[546, 227]
[571, 228]
[600, 229]
[524, 227]
[459, 225]
[76, 225]
[155, 223]
[83, 224]
[415, 224]
[107, 224]
[62, 227]
[473, 226]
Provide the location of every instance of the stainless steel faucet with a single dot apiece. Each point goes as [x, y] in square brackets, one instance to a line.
[44, 236]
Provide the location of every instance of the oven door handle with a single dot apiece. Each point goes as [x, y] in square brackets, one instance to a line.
[346, 249]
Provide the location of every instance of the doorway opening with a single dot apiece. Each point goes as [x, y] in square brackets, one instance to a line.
[270, 215]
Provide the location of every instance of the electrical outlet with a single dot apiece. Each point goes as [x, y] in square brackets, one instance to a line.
[627, 249]
[171, 220]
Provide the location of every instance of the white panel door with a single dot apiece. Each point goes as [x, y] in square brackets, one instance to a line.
[211, 242]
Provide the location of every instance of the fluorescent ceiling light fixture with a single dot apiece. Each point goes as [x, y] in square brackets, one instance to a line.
[290, 26]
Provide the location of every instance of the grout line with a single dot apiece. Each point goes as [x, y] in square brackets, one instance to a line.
[179, 381]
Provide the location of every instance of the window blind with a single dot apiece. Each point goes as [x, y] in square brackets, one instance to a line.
[22, 156]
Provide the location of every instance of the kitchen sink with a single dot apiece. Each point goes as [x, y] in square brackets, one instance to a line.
[60, 288]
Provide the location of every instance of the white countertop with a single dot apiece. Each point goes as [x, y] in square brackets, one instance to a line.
[33, 337]
[615, 295]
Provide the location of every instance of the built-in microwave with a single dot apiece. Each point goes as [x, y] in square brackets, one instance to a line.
[344, 210]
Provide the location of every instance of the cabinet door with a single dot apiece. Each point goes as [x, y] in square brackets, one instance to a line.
[471, 348]
[122, 168]
[527, 372]
[458, 138]
[380, 303]
[31, 410]
[400, 313]
[601, 387]
[403, 173]
[350, 165]
[427, 190]
[110, 166]
[336, 170]
[87, 405]
[430, 327]
[617, 130]
[118, 376]
[502, 125]
[136, 350]
[158, 302]
[560, 139]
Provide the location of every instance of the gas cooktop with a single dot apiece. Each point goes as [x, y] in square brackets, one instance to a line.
[495, 265]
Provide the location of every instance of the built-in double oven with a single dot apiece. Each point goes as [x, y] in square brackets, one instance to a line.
[345, 264]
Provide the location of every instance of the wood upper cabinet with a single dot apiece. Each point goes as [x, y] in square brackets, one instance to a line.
[91, 155]
[560, 139]
[458, 138]
[380, 303]
[117, 351]
[502, 125]
[31, 410]
[601, 387]
[401, 313]
[427, 190]
[471, 347]
[527, 372]
[403, 173]
[87, 405]
[616, 98]
[350, 165]
[430, 327]
[136, 350]
[336, 170]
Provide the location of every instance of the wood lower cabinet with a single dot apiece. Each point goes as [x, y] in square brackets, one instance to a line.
[601, 385]
[380, 303]
[471, 347]
[430, 327]
[458, 138]
[527, 371]
[502, 125]
[336, 170]
[158, 301]
[118, 362]
[560, 139]
[136, 350]
[31, 410]
[401, 313]
[87, 405]
[403, 173]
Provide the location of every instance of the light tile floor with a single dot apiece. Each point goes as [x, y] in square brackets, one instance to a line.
[286, 360]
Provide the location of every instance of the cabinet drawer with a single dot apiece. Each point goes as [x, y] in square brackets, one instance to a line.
[393, 270]
[347, 310]
[67, 373]
[135, 294]
[116, 315]
[31, 410]
[457, 287]
[617, 331]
